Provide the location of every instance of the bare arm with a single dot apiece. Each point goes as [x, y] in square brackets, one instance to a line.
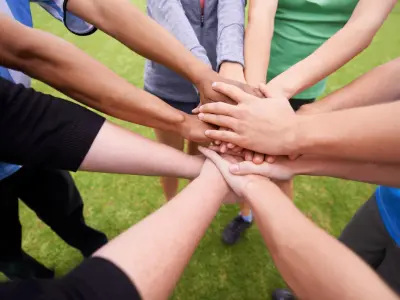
[357, 34]
[377, 86]
[42, 56]
[117, 150]
[126, 23]
[154, 252]
[311, 261]
[314, 264]
[284, 169]
[259, 32]
[363, 134]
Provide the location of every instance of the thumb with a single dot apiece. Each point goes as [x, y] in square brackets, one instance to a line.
[248, 167]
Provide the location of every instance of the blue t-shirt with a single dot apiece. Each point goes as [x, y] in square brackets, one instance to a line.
[20, 10]
[388, 200]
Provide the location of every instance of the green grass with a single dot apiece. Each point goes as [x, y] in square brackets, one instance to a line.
[115, 202]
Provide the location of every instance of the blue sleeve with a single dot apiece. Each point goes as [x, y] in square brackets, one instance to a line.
[58, 9]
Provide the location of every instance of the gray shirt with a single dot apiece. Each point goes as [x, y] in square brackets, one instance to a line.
[217, 39]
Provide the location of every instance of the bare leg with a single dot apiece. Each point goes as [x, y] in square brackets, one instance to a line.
[170, 184]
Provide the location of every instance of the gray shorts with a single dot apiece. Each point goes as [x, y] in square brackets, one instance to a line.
[367, 236]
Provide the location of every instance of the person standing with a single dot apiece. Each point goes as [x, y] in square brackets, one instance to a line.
[213, 30]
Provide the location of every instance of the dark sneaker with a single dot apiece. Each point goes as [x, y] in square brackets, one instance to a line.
[282, 294]
[234, 230]
[25, 268]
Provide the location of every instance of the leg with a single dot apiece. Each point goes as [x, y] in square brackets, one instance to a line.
[53, 196]
[169, 184]
[14, 262]
[10, 246]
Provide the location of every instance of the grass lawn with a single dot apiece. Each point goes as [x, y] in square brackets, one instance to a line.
[115, 202]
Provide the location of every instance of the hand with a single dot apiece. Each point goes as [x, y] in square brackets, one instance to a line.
[193, 129]
[261, 125]
[211, 172]
[208, 94]
[279, 170]
[237, 183]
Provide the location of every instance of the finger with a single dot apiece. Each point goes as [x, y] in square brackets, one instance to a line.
[233, 92]
[248, 167]
[231, 146]
[258, 158]
[217, 143]
[196, 110]
[230, 152]
[248, 155]
[294, 156]
[219, 108]
[270, 159]
[224, 136]
[219, 120]
[223, 148]
[220, 163]
[263, 89]
[237, 149]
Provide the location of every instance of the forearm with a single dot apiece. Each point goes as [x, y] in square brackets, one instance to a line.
[117, 150]
[126, 23]
[154, 252]
[314, 264]
[377, 86]
[230, 44]
[363, 134]
[357, 35]
[258, 38]
[42, 56]
[375, 173]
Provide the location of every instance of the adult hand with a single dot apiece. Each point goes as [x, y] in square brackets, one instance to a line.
[208, 94]
[279, 170]
[193, 129]
[237, 183]
[261, 125]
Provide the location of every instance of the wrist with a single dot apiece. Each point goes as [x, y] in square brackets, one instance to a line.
[201, 73]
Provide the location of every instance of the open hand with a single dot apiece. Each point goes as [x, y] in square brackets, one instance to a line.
[237, 183]
[261, 125]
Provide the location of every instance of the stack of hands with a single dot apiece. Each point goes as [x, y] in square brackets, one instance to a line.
[246, 128]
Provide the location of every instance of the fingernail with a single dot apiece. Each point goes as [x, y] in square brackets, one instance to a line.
[201, 116]
[234, 168]
[207, 132]
[214, 84]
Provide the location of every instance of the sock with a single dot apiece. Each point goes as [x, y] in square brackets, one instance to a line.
[248, 218]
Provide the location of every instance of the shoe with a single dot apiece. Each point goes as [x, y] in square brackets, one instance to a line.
[24, 268]
[234, 230]
[282, 294]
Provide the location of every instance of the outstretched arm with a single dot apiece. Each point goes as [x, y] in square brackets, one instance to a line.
[283, 169]
[314, 264]
[357, 34]
[42, 56]
[45, 131]
[272, 127]
[259, 32]
[379, 85]
[154, 252]
[130, 26]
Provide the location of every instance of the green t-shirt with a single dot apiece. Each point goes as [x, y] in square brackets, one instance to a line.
[301, 26]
